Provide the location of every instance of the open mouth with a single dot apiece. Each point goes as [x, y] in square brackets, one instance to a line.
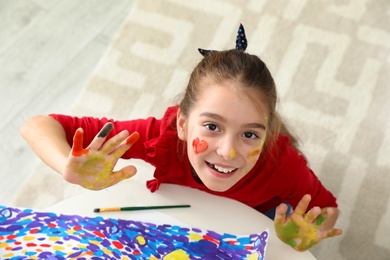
[221, 169]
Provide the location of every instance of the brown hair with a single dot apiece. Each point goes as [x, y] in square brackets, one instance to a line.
[250, 72]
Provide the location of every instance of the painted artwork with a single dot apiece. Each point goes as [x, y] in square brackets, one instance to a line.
[29, 234]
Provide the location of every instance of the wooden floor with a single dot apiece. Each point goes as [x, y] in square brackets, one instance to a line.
[48, 50]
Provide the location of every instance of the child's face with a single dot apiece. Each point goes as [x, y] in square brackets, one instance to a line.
[225, 134]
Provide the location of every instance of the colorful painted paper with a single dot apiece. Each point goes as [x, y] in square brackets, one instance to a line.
[29, 234]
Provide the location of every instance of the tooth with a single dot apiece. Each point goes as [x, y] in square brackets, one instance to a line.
[221, 169]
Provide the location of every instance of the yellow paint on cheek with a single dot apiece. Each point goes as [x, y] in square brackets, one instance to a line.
[254, 154]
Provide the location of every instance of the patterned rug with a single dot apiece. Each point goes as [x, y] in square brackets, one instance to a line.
[331, 63]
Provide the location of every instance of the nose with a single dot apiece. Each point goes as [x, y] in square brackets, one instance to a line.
[227, 148]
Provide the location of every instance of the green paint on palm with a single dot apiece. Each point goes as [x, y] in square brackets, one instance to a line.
[301, 238]
[288, 232]
[291, 242]
[320, 219]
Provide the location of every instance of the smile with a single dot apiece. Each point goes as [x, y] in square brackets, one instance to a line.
[221, 169]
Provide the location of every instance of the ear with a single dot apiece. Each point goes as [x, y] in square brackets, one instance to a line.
[181, 125]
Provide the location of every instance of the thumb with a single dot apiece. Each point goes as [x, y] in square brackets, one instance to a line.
[127, 172]
[124, 173]
[280, 214]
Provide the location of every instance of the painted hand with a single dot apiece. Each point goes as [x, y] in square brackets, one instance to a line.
[303, 231]
[93, 167]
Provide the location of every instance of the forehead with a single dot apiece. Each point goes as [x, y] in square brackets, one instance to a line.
[234, 91]
[227, 97]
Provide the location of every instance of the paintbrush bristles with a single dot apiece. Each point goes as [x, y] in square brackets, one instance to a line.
[106, 209]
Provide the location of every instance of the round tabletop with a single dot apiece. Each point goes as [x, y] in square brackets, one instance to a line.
[207, 211]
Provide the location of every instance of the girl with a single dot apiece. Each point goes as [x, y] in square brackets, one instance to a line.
[224, 138]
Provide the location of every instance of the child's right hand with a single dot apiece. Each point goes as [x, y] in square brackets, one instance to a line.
[92, 168]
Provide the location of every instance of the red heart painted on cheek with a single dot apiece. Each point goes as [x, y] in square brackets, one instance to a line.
[199, 146]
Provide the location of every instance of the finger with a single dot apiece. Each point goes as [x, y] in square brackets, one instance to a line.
[314, 214]
[334, 232]
[99, 139]
[105, 130]
[77, 148]
[320, 219]
[125, 145]
[114, 142]
[132, 138]
[123, 174]
[280, 214]
[302, 205]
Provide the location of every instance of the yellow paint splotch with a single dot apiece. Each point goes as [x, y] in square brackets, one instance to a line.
[253, 256]
[141, 240]
[106, 251]
[254, 154]
[59, 248]
[28, 238]
[195, 237]
[232, 154]
[179, 254]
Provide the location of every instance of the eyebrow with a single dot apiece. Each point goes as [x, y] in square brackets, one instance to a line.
[220, 118]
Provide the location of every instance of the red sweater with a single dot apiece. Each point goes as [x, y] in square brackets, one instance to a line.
[280, 176]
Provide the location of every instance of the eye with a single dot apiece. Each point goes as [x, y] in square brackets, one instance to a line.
[211, 127]
[250, 135]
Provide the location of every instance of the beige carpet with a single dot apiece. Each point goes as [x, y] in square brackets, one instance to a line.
[331, 62]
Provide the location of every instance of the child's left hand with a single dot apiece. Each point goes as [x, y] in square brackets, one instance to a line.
[303, 231]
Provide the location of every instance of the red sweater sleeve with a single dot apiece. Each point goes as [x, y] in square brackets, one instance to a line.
[147, 128]
[297, 179]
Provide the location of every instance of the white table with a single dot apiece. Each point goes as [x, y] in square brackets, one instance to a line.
[207, 212]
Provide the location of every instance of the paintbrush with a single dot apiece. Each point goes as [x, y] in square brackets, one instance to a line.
[141, 208]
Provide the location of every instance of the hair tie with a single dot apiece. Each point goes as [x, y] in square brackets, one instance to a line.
[241, 42]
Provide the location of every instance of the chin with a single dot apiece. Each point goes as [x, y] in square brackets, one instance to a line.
[218, 187]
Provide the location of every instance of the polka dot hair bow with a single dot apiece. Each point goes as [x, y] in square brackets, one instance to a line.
[241, 42]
